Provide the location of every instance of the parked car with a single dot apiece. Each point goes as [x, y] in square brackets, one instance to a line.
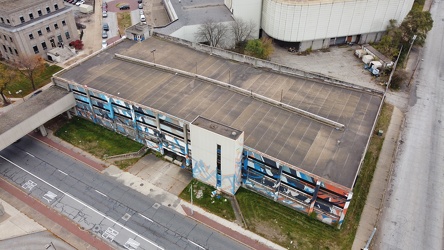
[142, 18]
[124, 7]
[139, 1]
[140, 6]
[80, 2]
[104, 43]
[104, 34]
[105, 6]
[104, 13]
[105, 27]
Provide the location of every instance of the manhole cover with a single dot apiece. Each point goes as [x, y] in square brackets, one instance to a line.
[126, 217]
[156, 205]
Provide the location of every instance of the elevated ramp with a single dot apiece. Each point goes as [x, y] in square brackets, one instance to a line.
[33, 113]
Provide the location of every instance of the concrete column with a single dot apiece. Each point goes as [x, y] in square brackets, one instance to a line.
[315, 196]
[43, 130]
[185, 138]
[69, 115]
[344, 211]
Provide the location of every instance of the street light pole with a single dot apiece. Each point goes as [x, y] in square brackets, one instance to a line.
[154, 58]
[408, 52]
[191, 194]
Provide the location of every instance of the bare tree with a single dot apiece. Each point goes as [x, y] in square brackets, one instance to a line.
[242, 30]
[30, 67]
[212, 32]
[7, 76]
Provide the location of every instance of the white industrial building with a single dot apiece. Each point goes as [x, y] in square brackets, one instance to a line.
[317, 24]
[301, 24]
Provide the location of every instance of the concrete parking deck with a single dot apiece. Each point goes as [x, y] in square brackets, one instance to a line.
[298, 140]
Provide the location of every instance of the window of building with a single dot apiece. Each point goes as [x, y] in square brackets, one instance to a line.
[3, 20]
[22, 19]
[10, 50]
[7, 20]
[44, 46]
[48, 10]
[59, 37]
[40, 32]
[52, 42]
[56, 26]
[67, 35]
[36, 49]
[63, 23]
[56, 7]
[31, 16]
[40, 12]
[16, 52]
[48, 29]
[4, 47]
[31, 36]
[10, 39]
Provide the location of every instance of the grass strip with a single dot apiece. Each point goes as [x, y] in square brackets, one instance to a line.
[96, 139]
[218, 205]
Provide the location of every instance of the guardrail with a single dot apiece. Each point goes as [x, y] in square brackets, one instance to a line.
[139, 153]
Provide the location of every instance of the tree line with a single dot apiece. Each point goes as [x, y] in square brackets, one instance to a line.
[236, 36]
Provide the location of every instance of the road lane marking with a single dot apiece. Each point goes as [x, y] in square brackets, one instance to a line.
[62, 172]
[197, 245]
[30, 154]
[100, 193]
[84, 204]
[145, 217]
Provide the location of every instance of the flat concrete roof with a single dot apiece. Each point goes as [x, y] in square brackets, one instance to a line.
[196, 12]
[217, 128]
[10, 6]
[31, 106]
[298, 140]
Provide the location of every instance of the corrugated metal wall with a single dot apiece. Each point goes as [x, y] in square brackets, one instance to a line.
[304, 21]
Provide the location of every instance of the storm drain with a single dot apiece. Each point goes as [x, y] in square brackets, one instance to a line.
[126, 217]
[156, 205]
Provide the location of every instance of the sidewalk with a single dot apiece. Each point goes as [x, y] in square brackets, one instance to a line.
[60, 226]
[379, 184]
[225, 227]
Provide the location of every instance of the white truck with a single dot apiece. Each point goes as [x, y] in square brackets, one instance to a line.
[85, 8]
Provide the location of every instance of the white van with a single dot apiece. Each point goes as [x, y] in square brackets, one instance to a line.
[142, 18]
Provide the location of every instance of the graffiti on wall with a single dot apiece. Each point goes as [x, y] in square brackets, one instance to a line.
[294, 188]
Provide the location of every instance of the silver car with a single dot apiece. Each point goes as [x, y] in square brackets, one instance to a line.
[104, 34]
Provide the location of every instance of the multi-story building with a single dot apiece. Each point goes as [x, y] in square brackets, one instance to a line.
[29, 27]
[317, 24]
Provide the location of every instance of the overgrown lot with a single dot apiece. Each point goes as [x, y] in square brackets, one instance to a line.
[96, 139]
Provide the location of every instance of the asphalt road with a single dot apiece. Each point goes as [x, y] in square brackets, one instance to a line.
[413, 216]
[100, 205]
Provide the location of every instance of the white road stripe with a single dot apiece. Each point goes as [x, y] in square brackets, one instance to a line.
[100, 193]
[145, 217]
[30, 154]
[62, 172]
[197, 245]
[81, 202]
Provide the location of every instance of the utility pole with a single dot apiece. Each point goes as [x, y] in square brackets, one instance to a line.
[408, 52]
[191, 194]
